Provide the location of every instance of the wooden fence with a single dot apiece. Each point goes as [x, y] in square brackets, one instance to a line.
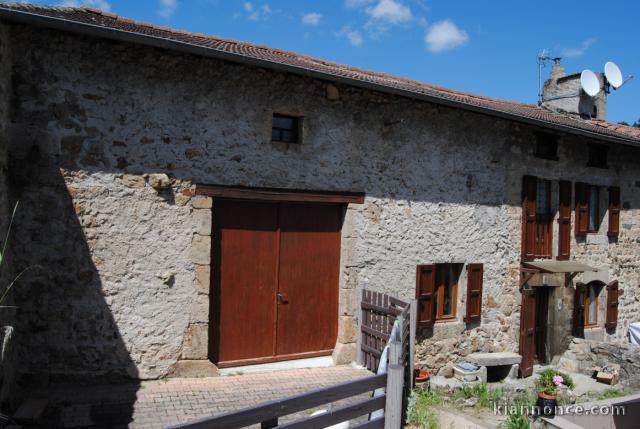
[380, 312]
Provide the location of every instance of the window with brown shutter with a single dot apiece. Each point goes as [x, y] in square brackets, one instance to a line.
[614, 212]
[425, 295]
[564, 221]
[582, 208]
[578, 309]
[474, 293]
[612, 305]
[529, 188]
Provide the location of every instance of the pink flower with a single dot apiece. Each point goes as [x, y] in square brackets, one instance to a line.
[558, 380]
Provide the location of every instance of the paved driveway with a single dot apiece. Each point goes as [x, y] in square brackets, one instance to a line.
[156, 404]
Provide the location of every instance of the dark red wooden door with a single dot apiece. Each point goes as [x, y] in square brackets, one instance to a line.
[527, 332]
[308, 278]
[246, 252]
[276, 268]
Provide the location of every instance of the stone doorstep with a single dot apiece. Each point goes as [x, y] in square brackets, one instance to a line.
[494, 359]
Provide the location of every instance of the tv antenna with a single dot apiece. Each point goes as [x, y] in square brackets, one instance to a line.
[543, 60]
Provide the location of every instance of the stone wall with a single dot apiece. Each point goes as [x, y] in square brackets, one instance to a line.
[111, 139]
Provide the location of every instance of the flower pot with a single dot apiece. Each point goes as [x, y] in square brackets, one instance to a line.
[421, 375]
[546, 404]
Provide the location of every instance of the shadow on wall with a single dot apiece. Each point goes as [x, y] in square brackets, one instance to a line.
[63, 322]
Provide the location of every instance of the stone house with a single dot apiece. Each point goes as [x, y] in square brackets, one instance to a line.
[195, 203]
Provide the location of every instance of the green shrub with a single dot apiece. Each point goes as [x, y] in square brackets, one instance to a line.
[545, 381]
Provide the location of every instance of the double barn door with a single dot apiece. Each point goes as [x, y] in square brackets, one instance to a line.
[276, 268]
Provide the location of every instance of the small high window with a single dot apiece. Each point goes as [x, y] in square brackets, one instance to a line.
[597, 156]
[285, 129]
[594, 208]
[546, 146]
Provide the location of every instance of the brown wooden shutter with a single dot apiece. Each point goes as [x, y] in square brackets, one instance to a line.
[614, 212]
[425, 295]
[529, 188]
[564, 221]
[578, 309]
[612, 305]
[474, 293]
[582, 208]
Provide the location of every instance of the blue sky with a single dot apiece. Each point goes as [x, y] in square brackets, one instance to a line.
[487, 47]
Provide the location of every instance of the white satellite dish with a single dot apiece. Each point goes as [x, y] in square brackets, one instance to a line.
[613, 74]
[590, 83]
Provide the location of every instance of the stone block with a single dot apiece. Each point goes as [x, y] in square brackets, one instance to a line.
[494, 359]
[196, 341]
[181, 199]
[201, 202]
[347, 329]
[200, 309]
[203, 279]
[202, 220]
[344, 354]
[133, 181]
[201, 249]
[194, 368]
[349, 302]
[159, 181]
[513, 372]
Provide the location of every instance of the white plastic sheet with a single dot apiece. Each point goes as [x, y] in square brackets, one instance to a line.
[634, 333]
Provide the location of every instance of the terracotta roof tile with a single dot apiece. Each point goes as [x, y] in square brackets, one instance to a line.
[95, 17]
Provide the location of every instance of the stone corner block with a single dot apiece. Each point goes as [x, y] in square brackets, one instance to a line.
[196, 342]
[200, 309]
[194, 368]
[201, 249]
[344, 354]
[203, 279]
[347, 330]
[201, 202]
[202, 220]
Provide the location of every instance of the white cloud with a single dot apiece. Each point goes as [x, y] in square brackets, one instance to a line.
[353, 4]
[98, 4]
[168, 8]
[311, 18]
[391, 11]
[255, 12]
[353, 36]
[445, 35]
[578, 52]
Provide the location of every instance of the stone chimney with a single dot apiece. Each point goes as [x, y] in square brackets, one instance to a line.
[564, 94]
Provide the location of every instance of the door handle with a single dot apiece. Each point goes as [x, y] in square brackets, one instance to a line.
[282, 298]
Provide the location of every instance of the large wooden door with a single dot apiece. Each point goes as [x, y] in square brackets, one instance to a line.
[308, 278]
[527, 332]
[245, 252]
[276, 268]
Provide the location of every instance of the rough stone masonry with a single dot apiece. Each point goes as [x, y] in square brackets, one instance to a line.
[108, 139]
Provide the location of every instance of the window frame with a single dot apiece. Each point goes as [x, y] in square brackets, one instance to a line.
[596, 151]
[587, 313]
[296, 129]
[597, 213]
[446, 272]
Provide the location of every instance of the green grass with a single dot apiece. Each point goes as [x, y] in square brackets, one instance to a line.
[421, 412]
[520, 420]
[486, 397]
[613, 393]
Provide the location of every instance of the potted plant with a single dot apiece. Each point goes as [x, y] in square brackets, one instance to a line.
[548, 384]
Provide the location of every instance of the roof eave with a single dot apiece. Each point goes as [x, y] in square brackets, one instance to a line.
[24, 17]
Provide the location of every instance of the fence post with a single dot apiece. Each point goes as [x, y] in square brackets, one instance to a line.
[413, 317]
[393, 406]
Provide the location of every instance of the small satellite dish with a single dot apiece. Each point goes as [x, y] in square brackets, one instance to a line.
[590, 83]
[613, 74]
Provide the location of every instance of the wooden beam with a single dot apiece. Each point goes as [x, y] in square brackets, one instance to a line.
[568, 277]
[276, 194]
[526, 275]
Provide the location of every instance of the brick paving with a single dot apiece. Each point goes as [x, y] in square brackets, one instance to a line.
[157, 404]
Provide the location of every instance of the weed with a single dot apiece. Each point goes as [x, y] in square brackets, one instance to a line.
[613, 393]
[421, 411]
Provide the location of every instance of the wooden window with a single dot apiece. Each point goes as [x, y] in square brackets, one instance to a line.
[474, 293]
[546, 146]
[597, 156]
[447, 276]
[612, 305]
[425, 295]
[537, 218]
[587, 208]
[285, 129]
[591, 305]
[594, 208]
[564, 221]
[614, 212]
